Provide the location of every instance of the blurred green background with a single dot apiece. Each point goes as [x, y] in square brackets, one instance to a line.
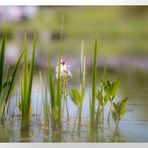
[122, 30]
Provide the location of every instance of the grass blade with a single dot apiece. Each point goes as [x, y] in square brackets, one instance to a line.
[31, 69]
[94, 86]
[2, 59]
[51, 84]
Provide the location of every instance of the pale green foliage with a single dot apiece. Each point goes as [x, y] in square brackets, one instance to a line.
[94, 75]
[6, 82]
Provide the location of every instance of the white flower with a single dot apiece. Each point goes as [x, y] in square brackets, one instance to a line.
[64, 70]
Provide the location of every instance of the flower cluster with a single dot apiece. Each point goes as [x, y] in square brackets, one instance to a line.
[64, 70]
[65, 74]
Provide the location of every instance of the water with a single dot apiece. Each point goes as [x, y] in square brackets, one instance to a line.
[132, 128]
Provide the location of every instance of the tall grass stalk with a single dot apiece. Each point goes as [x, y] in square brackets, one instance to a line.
[94, 75]
[26, 86]
[6, 82]
[82, 84]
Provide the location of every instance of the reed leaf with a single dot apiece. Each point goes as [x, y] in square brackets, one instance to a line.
[94, 75]
[31, 69]
[51, 84]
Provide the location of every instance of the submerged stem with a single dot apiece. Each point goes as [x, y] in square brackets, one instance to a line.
[79, 120]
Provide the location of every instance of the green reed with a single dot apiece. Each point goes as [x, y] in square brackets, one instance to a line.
[26, 86]
[6, 79]
[93, 97]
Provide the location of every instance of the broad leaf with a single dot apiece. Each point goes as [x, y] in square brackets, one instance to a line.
[75, 96]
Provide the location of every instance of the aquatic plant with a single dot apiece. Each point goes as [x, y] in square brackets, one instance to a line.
[26, 86]
[6, 79]
[105, 94]
[118, 110]
[65, 74]
[110, 89]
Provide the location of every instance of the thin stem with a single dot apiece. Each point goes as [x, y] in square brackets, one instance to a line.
[79, 120]
[75, 121]
[68, 118]
[98, 116]
[108, 118]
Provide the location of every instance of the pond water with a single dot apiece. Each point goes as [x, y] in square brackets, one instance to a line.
[132, 128]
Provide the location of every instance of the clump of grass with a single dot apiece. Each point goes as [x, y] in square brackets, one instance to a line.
[6, 82]
[26, 86]
[76, 96]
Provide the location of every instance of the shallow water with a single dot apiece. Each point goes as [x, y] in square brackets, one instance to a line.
[132, 128]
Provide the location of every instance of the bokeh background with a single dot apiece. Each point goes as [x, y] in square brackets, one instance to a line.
[122, 33]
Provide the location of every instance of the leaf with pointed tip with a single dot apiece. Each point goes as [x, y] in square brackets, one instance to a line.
[75, 96]
[115, 87]
[122, 108]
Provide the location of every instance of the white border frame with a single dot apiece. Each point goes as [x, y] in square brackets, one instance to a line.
[74, 2]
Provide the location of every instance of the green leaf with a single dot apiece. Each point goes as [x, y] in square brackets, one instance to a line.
[31, 69]
[25, 66]
[122, 107]
[116, 87]
[100, 97]
[8, 87]
[94, 75]
[2, 59]
[58, 88]
[108, 92]
[122, 113]
[75, 96]
[51, 84]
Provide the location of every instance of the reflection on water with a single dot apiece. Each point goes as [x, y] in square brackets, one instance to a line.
[132, 128]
